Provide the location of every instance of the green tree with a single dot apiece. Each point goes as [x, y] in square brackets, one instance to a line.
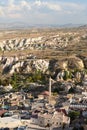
[81, 128]
[74, 114]
[71, 90]
[14, 81]
[65, 75]
[37, 76]
[75, 128]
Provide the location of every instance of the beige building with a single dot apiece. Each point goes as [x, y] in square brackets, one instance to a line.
[57, 119]
[85, 81]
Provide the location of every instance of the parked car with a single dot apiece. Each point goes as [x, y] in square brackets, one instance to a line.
[25, 116]
[21, 128]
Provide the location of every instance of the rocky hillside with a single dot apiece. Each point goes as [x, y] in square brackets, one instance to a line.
[25, 71]
[34, 43]
[28, 64]
[56, 42]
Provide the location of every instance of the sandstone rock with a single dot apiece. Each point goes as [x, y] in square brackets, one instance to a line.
[34, 43]
[25, 64]
[29, 64]
[40, 64]
[61, 64]
[75, 62]
[85, 62]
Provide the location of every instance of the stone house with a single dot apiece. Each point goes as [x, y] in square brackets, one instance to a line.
[57, 119]
[85, 81]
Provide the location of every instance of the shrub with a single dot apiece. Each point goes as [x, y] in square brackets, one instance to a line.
[74, 114]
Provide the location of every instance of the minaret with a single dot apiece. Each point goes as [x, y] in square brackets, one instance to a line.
[3, 104]
[49, 89]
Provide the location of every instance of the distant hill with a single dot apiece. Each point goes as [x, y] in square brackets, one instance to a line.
[83, 26]
[21, 25]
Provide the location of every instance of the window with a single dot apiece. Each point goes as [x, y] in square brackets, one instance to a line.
[40, 122]
[57, 123]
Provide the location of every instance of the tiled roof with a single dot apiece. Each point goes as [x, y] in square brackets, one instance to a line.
[2, 112]
[46, 93]
[62, 110]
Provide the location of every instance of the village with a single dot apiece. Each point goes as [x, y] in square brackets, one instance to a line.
[43, 79]
[43, 64]
[46, 111]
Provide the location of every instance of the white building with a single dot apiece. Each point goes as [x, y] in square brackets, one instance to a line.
[85, 81]
[10, 122]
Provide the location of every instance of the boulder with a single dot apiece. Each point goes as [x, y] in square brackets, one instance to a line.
[75, 63]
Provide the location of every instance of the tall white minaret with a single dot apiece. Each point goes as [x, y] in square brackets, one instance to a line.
[49, 90]
[3, 104]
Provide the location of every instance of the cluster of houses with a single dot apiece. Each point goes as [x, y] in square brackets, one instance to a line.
[46, 110]
[40, 113]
